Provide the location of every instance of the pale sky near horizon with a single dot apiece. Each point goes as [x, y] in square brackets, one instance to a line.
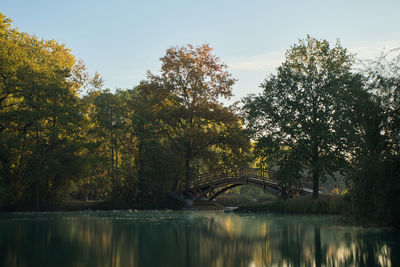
[123, 39]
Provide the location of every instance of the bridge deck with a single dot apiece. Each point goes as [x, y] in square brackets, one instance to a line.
[207, 184]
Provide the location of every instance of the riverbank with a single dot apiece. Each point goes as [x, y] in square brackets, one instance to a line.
[75, 205]
[325, 204]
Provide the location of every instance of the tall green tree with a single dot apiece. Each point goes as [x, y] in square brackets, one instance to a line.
[39, 117]
[374, 182]
[110, 117]
[383, 83]
[304, 108]
[157, 164]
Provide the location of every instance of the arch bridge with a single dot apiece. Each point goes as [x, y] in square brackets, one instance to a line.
[211, 185]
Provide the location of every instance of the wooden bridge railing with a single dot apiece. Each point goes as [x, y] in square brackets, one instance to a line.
[256, 173]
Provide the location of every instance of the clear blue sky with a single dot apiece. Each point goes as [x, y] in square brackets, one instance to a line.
[122, 39]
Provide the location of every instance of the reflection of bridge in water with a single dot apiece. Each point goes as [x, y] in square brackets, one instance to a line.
[211, 185]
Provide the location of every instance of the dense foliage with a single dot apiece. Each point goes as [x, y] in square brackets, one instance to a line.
[374, 179]
[62, 135]
[40, 124]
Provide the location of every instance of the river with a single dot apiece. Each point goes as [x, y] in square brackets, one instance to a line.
[190, 238]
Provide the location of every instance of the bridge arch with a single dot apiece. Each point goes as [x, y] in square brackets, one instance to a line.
[212, 185]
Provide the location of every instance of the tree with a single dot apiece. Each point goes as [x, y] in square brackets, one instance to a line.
[110, 116]
[157, 165]
[374, 180]
[194, 118]
[39, 118]
[383, 83]
[270, 154]
[304, 108]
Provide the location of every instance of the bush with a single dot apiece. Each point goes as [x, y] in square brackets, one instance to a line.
[325, 204]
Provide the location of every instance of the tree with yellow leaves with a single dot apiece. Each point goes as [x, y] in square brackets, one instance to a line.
[194, 117]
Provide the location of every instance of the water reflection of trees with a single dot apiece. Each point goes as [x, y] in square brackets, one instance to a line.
[192, 239]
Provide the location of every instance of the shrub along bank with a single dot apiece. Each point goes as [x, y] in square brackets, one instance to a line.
[325, 204]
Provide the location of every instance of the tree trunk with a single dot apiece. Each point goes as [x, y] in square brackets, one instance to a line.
[37, 197]
[139, 161]
[112, 170]
[283, 193]
[37, 185]
[187, 174]
[315, 147]
[116, 163]
[187, 165]
[315, 185]
[86, 190]
[315, 172]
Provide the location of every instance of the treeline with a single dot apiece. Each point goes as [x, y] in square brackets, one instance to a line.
[62, 135]
[323, 114]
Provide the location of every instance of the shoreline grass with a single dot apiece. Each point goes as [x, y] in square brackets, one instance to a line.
[325, 204]
[75, 205]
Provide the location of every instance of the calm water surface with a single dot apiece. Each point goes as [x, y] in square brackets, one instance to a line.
[190, 238]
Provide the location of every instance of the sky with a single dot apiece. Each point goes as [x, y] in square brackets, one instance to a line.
[123, 39]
